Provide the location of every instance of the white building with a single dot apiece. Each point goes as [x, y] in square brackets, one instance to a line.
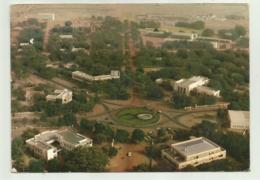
[43, 146]
[81, 76]
[65, 96]
[217, 43]
[207, 91]
[239, 119]
[195, 83]
[66, 36]
[180, 36]
[193, 152]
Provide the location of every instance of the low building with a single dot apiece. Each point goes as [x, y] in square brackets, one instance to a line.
[66, 36]
[193, 152]
[207, 91]
[43, 144]
[65, 96]
[181, 36]
[185, 86]
[239, 119]
[81, 76]
[217, 43]
[195, 83]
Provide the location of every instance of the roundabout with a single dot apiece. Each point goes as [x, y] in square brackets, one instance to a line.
[136, 117]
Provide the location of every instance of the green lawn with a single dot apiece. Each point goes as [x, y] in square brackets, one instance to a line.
[128, 116]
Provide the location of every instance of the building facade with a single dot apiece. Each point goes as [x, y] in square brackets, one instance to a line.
[239, 119]
[195, 83]
[193, 152]
[65, 96]
[42, 144]
[81, 76]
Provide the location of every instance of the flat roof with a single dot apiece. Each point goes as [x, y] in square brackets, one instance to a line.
[193, 79]
[71, 136]
[239, 116]
[194, 146]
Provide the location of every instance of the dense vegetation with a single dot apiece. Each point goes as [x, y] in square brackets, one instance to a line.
[193, 25]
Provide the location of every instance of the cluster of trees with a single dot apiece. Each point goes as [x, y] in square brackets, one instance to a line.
[182, 100]
[186, 45]
[103, 132]
[32, 28]
[208, 32]
[53, 108]
[149, 24]
[233, 34]
[19, 93]
[31, 61]
[147, 87]
[227, 70]
[193, 25]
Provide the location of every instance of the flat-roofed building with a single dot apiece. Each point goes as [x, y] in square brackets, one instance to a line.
[181, 36]
[239, 119]
[186, 85]
[195, 83]
[66, 36]
[65, 96]
[217, 43]
[207, 91]
[193, 152]
[81, 76]
[42, 144]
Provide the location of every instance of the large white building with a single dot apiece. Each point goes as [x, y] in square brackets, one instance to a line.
[193, 152]
[195, 83]
[239, 119]
[43, 146]
[81, 76]
[65, 96]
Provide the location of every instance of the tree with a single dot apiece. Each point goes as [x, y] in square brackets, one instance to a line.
[141, 168]
[35, 166]
[240, 30]
[121, 135]
[84, 159]
[86, 126]
[68, 119]
[54, 165]
[111, 151]
[207, 32]
[68, 23]
[29, 133]
[137, 135]
[181, 100]
[17, 148]
[152, 152]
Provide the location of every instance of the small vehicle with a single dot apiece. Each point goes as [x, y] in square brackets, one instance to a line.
[129, 154]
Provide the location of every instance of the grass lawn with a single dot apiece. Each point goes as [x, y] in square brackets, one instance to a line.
[128, 116]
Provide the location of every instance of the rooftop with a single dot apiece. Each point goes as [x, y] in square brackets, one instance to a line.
[194, 146]
[239, 116]
[193, 79]
[71, 136]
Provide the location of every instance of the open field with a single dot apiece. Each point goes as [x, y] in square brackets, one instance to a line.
[121, 162]
[81, 12]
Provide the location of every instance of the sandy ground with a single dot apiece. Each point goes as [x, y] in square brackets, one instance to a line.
[197, 117]
[121, 162]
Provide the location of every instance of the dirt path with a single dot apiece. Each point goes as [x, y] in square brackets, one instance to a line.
[121, 162]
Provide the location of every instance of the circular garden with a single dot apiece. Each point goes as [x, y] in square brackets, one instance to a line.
[137, 116]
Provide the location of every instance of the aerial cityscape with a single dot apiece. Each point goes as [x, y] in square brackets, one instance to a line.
[130, 88]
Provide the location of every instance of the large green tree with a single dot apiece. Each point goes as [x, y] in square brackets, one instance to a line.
[85, 160]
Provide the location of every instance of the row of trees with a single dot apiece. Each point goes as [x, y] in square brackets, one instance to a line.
[102, 132]
[193, 25]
